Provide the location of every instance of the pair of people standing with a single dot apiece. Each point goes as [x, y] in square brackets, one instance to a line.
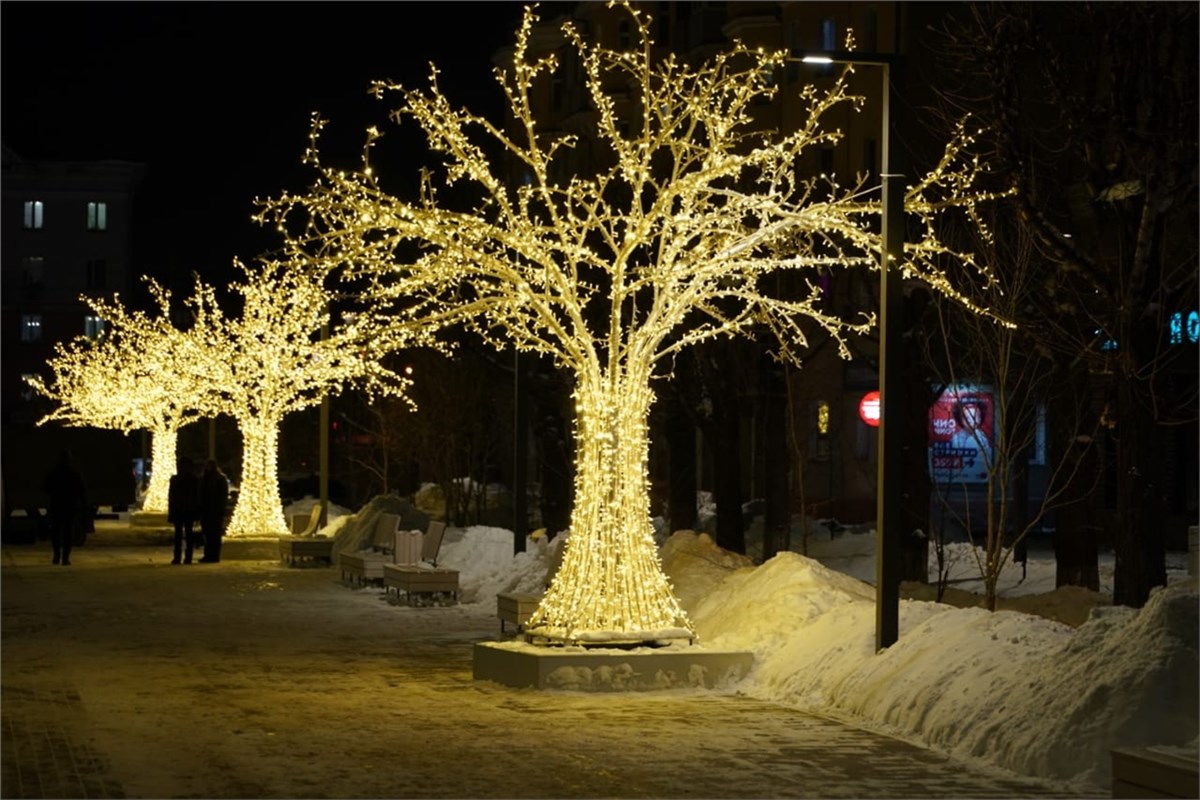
[192, 499]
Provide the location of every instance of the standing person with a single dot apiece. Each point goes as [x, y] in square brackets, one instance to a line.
[214, 495]
[67, 506]
[183, 507]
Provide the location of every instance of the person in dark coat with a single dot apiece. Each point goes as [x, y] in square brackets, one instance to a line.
[183, 508]
[214, 495]
[67, 506]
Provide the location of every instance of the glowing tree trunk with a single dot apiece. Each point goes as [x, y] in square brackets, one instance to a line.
[162, 467]
[281, 354]
[612, 540]
[613, 263]
[259, 509]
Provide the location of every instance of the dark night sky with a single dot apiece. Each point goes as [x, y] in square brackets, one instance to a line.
[215, 98]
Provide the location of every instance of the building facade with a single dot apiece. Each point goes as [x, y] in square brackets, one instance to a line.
[67, 234]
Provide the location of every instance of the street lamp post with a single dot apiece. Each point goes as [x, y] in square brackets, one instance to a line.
[888, 519]
[323, 452]
[520, 453]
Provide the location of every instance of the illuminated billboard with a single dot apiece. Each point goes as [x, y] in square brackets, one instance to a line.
[962, 434]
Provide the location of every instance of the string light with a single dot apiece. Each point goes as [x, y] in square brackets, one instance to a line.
[273, 360]
[127, 380]
[612, 265]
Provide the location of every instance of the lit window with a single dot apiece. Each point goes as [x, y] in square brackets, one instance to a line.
[828, 36]
[97, 216]
[31, 327]
[820, 443]
[35, 211]
[93, 326]
[32, 270]
[97, 273]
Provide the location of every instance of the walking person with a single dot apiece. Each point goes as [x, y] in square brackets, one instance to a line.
[67, 506]
[183, 508]
[214, 495]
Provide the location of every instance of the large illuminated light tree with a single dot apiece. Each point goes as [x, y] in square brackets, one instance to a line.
[613, 272]
[280, 354]
[128, 379]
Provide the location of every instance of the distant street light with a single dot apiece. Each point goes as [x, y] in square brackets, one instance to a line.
[888, 520]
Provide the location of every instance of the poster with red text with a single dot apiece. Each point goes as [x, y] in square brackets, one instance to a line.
[962, 426]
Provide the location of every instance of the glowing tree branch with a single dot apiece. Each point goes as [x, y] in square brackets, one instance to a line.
[272, 360]
[127, 379]
[613, 271]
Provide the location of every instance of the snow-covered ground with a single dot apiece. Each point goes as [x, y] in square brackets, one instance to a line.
[1016, 689]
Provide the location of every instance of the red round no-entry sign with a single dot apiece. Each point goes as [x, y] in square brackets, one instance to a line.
[868, 409]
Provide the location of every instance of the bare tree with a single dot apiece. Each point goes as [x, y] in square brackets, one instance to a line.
[614, 274]
[1093, 107]
[987, 442]
[453, 429]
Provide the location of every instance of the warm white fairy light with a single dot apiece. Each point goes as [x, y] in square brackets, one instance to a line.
[272, 359]
[128, 379]
[614, 267]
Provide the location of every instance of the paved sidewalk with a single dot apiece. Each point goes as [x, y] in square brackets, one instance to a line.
[124, 676]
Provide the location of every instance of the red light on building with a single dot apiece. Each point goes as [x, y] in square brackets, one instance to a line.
[868, 409]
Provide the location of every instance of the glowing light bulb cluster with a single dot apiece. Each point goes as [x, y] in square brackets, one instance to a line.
[614, 258]
[282, 354]
[145, 373]
[129, 379]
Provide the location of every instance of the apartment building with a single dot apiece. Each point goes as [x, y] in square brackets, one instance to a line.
[67, 233]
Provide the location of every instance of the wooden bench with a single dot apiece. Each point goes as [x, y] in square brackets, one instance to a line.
[418, 583]
[361, 568]
[424, 580]
[307, 544]
[516, 608]
[367, 565]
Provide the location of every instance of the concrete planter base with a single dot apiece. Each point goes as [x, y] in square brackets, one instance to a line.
[522, 665]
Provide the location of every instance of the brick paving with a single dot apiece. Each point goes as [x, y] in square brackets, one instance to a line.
[124, 677]
[41, 755]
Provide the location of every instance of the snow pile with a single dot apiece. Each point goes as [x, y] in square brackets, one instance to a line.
[487, 566]
[1013, 689]
[1022, 692]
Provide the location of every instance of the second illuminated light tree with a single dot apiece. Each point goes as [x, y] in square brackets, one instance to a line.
[279, 355]
[613, 273]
